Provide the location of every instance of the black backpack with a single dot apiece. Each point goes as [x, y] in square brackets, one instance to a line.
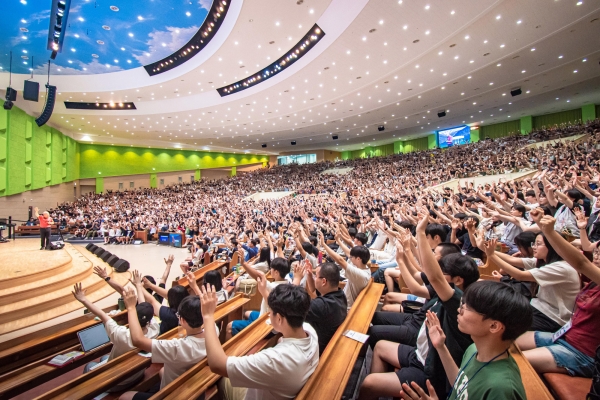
[594, 393]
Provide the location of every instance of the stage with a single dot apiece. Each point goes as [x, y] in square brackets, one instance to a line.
[36, 285]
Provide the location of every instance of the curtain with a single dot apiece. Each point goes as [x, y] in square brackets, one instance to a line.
[416, 145]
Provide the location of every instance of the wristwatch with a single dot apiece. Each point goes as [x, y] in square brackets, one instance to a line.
[107, 278]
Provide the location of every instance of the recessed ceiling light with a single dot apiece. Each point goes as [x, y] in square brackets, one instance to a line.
[188, 13]
[501, 46]
[81, 19]
[427, 32]
[364, 38]
[347, 51]
[584, 60]
[405, 27]
[277, 23]
[130, 34]
[575, 71]
[467, 37]
[452, 12]
[560, 56]
[427, 7]
[579, 3]
[533, 49]
[311, 11]
[498, 17]
[380, 22]
[523, 71]
[485, 41]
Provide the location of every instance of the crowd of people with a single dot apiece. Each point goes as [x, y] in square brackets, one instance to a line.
[451, 335]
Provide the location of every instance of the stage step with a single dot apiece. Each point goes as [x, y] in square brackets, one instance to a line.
[43, 306]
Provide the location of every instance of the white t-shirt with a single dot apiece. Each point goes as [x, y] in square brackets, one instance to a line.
[178, 355]
[120, 337]
[264, 307]
[358, 279]
[279, 372]
[559, 286]
[261, 266]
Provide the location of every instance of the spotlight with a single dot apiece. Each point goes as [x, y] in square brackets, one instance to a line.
[381, 128]
[442, 114]
[264, 145]
[293, 142]
[335, 137]
[515, 92]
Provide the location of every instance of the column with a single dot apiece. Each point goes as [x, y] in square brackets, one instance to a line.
[526, 125]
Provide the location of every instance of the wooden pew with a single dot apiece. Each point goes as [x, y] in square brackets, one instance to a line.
[33, 369]
[534, 387]
[110, 374]
[566, 387]
[199, 378]
[337, 361]
[199, 274]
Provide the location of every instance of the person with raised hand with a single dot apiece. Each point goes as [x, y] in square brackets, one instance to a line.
[572, 350]
[277, 372]
[101, 272]
[422, 362]
[558, 281]
[179, 354]
[119, 335]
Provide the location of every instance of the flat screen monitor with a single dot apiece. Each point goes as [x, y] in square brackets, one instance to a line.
[454, 136]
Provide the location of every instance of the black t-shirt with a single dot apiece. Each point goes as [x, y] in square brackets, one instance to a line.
[168, 319]
[157, 296]
[456, 342]
[468, 248]
[326, 314]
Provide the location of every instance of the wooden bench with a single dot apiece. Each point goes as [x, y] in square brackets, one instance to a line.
[35, 230]
[566, 387]
[337, 361]
[199, 379]
[110, 374]
[24, 361]
[534, 387]
[199, 274]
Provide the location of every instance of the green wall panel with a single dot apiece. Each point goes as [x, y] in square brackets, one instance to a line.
[561, 117]
[415, 145]
[474, 135]
[118, 161]
[500, 130]
[99, 185]
[588, 112]
[197, 175]
[153, 181]
[233, 171]
[526, 124]
[346, 155]
[398, 145]
[431, 141]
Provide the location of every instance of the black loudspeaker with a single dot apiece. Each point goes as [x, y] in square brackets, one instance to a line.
[381, 128]
[335, 137]
[106, 255]
[112, 260]
[11, 94]
[49, 107]
[515, 92]
[8, 105]
[441, 114]
[263, 145]
[92, 248]
[89, 246]
[121, 266]
[293, 143]
[99, 251]
[31, 91]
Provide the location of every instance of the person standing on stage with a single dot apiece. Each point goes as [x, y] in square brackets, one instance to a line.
[46, 222]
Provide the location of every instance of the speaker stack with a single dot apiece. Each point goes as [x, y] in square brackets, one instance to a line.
[114, 261]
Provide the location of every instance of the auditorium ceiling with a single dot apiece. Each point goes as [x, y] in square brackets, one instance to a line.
[379, 62]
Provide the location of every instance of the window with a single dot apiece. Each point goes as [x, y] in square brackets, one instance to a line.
[131, 185]
[120, 185]
[297, 159]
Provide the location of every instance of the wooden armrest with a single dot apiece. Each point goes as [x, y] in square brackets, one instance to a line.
[534, 387]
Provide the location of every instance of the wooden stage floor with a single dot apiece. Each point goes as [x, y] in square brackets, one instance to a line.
[36, 285]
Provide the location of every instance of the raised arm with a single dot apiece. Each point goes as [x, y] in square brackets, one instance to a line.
[217, 359]
[101, 272]
[136, 280]
[415, 287]
[137, 335]
[569, 253]
[168, 263]
[79, 294]
[150, 299]
[162, 292]
[247, 267]
[192, 282]
[430, 266]
[334, 256]
[490, 251]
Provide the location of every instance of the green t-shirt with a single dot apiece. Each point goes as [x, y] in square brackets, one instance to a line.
[499, 379]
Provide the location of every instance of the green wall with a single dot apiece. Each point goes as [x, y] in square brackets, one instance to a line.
[500, 130]
[557, 118]
[474, 135]
[33, 157]
[526, 124]
[432, 141]
[105, 160]
[588, 112]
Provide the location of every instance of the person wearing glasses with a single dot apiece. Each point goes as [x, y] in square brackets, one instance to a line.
[558, 281]
[494, 315]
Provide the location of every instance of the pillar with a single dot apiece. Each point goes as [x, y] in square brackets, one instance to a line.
[474, 135]
[99, 185]
[432, 141]
[233, 171]
[588, 112]
[153, 184]
[197, 175]
[526, 125]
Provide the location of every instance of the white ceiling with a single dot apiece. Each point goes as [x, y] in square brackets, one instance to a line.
[468, 56]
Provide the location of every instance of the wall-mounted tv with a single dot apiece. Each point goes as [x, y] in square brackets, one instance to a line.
[454, 136]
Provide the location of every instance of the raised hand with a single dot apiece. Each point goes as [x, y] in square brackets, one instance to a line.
[130, 297]
[436, 334]
[536, 214]
[169, 260]
[470, 225]
[490, 247]
[191, 278]
[79, 292]
[136, 277]
[581, 218]
[208, 301]
[101, 272]
[146, 283]
[546, 224]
